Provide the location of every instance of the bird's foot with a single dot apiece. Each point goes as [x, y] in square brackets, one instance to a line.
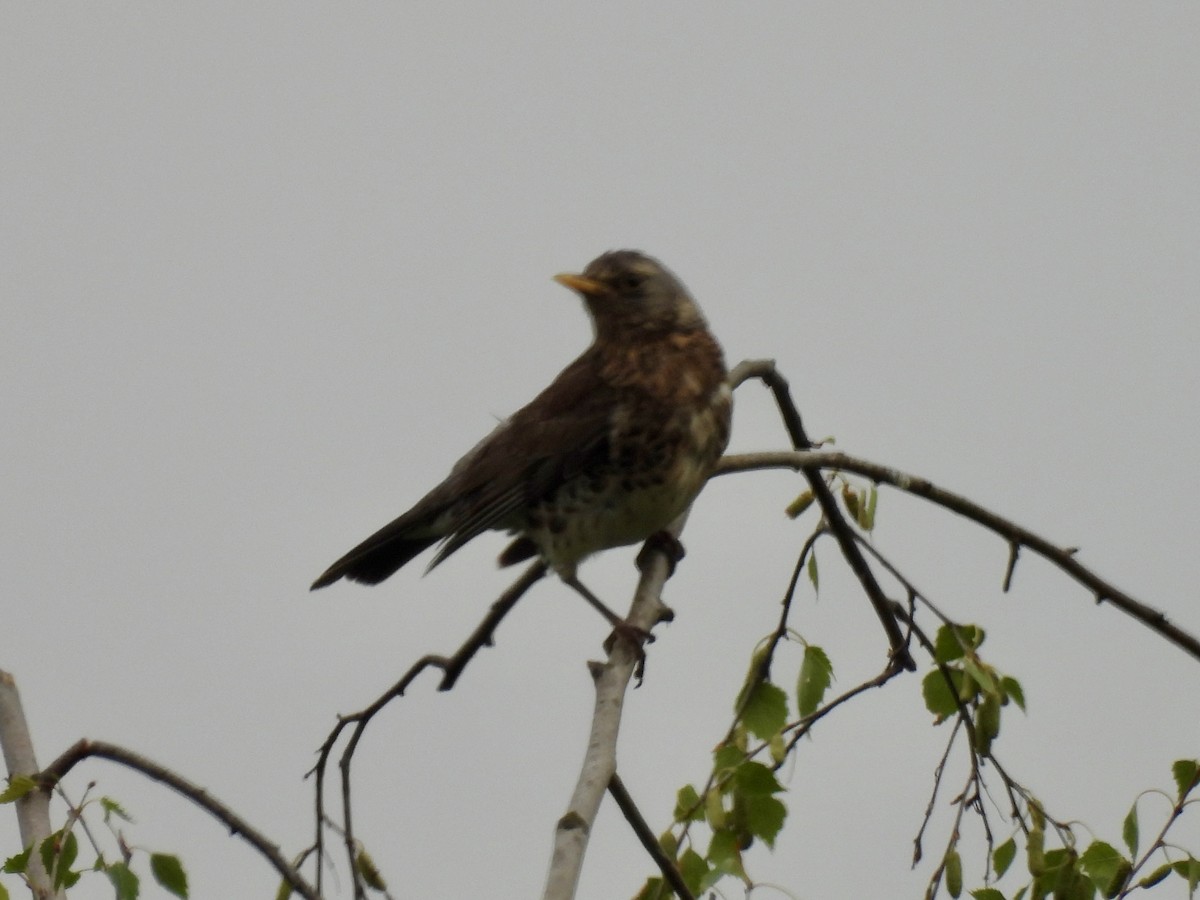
[665, 542]
[635, 638]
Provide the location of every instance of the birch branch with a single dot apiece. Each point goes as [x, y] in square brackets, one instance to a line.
[1016, 536]
[33, 810]
[600, 759]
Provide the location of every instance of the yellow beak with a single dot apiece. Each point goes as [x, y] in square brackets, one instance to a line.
[586, 286]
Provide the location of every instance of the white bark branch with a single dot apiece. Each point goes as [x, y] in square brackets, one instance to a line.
[600, 760]
[33, 810]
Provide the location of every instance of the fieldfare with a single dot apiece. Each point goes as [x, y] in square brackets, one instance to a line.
[609, 454]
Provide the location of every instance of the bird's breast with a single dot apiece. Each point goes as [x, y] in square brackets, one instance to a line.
[659, 457]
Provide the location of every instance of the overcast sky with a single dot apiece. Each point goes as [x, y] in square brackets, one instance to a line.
[269, 269]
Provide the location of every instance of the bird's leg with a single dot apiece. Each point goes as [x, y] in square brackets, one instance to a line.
[621, 628]
[613, 619]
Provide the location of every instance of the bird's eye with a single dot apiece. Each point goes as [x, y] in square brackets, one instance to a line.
[628, 281]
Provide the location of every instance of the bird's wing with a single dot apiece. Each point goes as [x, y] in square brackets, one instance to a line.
[559, 434]
[554, 437]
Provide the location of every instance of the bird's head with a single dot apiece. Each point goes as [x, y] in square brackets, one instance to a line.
[628, 293]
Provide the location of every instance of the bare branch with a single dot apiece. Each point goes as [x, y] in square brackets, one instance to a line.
[600, 760]
[1017, 536]
[451, 666]
[634, 817]
[1159, 842]
[765, 371]
[81, 750]
[938, 771]
[33, 810]
[805, 725]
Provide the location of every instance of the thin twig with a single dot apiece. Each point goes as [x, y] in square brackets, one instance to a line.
[961, 801]
[1064, 558]
[1160, 842]
[939, 770]
[800, 728]
[451, 667]
[81, 750]
[765, 371]
[767, 656]
[670, 873]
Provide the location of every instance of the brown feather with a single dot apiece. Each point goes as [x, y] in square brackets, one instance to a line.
[617, 445]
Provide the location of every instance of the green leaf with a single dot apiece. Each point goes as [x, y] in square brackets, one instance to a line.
[724, 854]
[980, 673]
[1012, 690]
[1186, 772]
[61, 851]
[741, 740]
[369, 871]
[755, 779]
[1116, 884]
[952, 641]
[1189, 869]
[756, 674]
[940, 696]
[714, 809]
[866, 516]
[812, 571]
[1129, 829]
[693, 868]
[112, 808]
[946, 646]
[778, 748]
[711, 877]
[124, 880]
[816, 674]
[706, 883]
[688, 807]
[1080, 887]
[1102, 863]
[1059, 857]
[3, 892]
[953, 864]
[168, 872]
[1004, 856]
[1061, 876]
[765, 712]
[668, 843]
[18, 787]
[728, 757]
[651, 890]
[987, 894]
[763, 816]
[285, 891]
[16, 865]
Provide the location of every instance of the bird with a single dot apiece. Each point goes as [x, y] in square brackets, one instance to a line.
[609, 454]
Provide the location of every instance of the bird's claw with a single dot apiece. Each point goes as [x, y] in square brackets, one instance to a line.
[635, 638]
[667, 544]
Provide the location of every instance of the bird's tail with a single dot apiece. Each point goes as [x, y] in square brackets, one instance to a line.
[380, 555]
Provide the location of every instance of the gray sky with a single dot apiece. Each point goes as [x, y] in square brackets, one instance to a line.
[269, 270]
